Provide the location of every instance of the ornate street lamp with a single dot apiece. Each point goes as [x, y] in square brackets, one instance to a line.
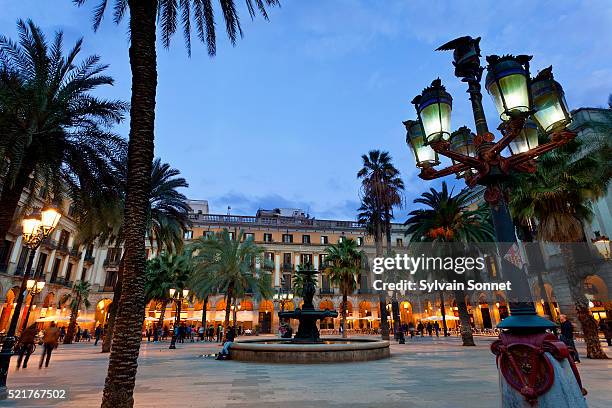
[36, 227]
[424, 155]
[479, 159]
[551, 111]
[177, 296]
[34, 288]
[434, 107]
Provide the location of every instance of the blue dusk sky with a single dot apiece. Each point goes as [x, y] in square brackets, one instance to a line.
[282, 119]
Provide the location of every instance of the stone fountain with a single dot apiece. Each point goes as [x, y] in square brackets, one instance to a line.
[307, 346]
[308, 315]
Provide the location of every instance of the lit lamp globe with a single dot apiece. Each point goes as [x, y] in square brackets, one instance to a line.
[506, 82]
[424, 155]
[172, 292]
[30, 284]
[462, 142]
[551, 111]
[526, 140]
[602, 244]
[40, 285]
[31, 225]
[434, 107]
[49, 217]
[185, 293]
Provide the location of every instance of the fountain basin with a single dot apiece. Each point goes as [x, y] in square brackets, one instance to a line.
[331, 350]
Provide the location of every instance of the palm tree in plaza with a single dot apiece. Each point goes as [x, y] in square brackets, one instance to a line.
[560, 195]
[447, 218]
[55, 132]
[144, 16]
[343, 266]
[227, 265]
[381, 189]
[164, 272]
[79, 296]
[100, 217]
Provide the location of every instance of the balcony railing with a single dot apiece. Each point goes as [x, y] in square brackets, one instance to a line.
[111, 263]
[49, 243]
[63, 248]
[287, 267]
[274, 221]
[326, 291]
[75, 253]
[89, 258]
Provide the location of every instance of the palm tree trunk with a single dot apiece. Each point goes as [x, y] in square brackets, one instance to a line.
[107, 342]
[162, 314]
[394, 302]
[228, 307]
[442, 308]
[382, 303]
[11, 194]
[73, 320]
[204, 313]
[467, 337]
[344, 304]
[587, 321]
[122, 366]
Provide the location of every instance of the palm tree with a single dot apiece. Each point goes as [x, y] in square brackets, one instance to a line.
[79, 296]
[300, 280]
[100, 217]
[560, 195]
[144, 16]
[53, 128]
[227, 265]
[343, 266]
[447, 218]
[381, 189]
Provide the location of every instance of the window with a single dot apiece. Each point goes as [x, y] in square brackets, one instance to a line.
[341, 239]
[68, 272]
[267, 237]
[189, 234]
[360, 241]
[84, 274]
[305, 239]
[231, 235]
[322, 261]
[209, 234]
[399, 242]
[306, 259]
[287, 238]
[249, 235]
[491, 267]
[63, 239]
[55, 270]
[324, 240]
[287, 263]
[42, 260]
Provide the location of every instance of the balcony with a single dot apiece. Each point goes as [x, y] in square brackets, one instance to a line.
[89, 258]
[49, 243]
[63, 248]
[75, 253]
[106, 289]
[326, 291]
[287, 267]
[111, 263]
[268, 267]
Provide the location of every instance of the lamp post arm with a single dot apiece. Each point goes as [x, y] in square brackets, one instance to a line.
[510, 130]
[558, 139]
[443, 148]
[429, 173]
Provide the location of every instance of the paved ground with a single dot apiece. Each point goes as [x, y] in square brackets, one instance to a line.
[423, 373]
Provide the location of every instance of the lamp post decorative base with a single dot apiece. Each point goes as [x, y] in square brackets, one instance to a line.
[537, 367]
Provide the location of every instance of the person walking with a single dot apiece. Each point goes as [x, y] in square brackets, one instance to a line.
[26, 345]
[420, 328]
[98, 334]
[436, 327]
[201, 333]
[411, 329]
[62, 333]
[50, 341]
[219, 333]
[429, 329]
[78, 334]
[567, 337]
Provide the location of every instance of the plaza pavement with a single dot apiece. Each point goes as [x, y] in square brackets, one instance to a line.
[425, 372]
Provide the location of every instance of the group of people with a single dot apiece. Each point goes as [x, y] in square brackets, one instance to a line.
[421, 329]
[27, 344]
[184, 332]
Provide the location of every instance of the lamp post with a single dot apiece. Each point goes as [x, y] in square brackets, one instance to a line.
[281, 297]
[36, 227]
[34, 287]
[177, 296]
[525, 105]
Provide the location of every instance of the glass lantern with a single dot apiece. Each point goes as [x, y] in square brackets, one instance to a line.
[31, 228]
[424, 155]
[506, 82]
[50, 217]
[434, 108]
[462, 142]
[526, 140]
[551, 111]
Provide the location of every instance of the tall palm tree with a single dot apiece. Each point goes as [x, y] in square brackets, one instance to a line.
[381, 190]
[100, 217]
[79, 296]
[164, 272]
[560, 195]
[343, 266]
[144, 16]
[448, 218]
[53, 128]
[227, 265]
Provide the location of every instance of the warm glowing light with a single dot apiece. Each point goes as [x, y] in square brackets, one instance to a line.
[172, 291]
[50, 217]
[30, 284]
